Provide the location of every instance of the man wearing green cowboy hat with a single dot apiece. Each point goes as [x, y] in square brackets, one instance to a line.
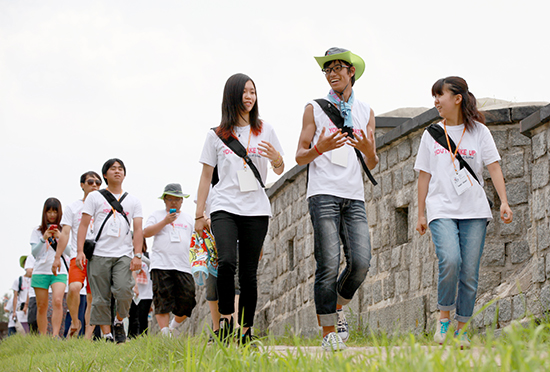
[173, 284]
[335, 190]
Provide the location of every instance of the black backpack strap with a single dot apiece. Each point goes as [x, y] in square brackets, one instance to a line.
[20, 284]
[115, 203]
[103, 225]
[334, 115]
[438, 135]
[240, 151]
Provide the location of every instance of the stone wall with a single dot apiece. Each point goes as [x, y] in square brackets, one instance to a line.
[400, 292]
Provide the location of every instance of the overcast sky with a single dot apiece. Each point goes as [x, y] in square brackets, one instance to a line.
[81, 82]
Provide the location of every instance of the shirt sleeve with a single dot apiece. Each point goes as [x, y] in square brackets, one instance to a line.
[489, 149]
[35, 236]
[89, 204]
[67, 217]
[422, 162]
[152, 220]
[15, 285]
[138, 210]
[274, 140]
[209, 155]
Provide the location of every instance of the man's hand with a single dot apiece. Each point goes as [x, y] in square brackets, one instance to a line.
[135, 265]
[80, 260]
[56, 266]
[331, 142]
[365, 144]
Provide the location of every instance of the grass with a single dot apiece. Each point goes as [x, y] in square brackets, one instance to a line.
[518, 348]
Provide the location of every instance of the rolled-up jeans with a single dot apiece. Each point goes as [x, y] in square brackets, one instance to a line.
[458, 246]
[338, 220]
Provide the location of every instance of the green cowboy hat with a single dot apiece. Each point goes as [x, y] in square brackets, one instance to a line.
[343, 55]
[22, 260]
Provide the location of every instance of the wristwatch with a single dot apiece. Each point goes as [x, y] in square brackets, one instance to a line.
[138, 255]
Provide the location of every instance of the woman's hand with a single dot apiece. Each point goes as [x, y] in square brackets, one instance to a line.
[506, 214]
[201, 224]
[268, 151]
[421, 225]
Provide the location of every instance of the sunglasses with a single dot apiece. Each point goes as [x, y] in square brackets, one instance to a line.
[90, 182]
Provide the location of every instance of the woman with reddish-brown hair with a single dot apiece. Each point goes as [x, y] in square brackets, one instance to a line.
[43, 244]
[456, 205]
[240, 208]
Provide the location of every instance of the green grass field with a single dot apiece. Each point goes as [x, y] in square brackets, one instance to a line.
[517, 349]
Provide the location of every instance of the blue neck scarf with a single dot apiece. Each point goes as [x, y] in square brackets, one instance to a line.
[344, 107]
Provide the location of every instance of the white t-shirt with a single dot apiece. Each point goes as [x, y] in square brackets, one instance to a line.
[29, 264]
[327, 178]
[21, 296]
[227, 195]
[72, 214]
[98, 207]
[167, 254]
[9, 307]
[44, 261]
[477, 148]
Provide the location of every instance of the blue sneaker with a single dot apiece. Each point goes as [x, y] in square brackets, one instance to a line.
[441, 331]
[462, 338]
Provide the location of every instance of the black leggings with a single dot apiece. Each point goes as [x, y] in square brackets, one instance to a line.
[250, 231]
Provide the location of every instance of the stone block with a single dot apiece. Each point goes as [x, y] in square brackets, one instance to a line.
[386, 184]
[493, 254]
[395, 257]
[373, 269]
[539, 175]
[548, 265]
[404, 150]
[398, 179]
[392, 157]
[388, 286]
[518, 251]
[518, 306]
[427, 274]
[518, 139]
[533, 304]
[377, 191]
[384, 261]
[372, 214]
[539, 270]
[383, 160]
[377, 292]
[545, 298]
[501, 139]
[414, 277]
[307, 325]
[490, 314]
[543, 235]
[513, 165]
[505, 310]
[540, 205]
[538, 145]
[415, 144]
[488, 280]
[402, 282]
[402, 317]
[516, 226]
[409, 174]
[433, 300]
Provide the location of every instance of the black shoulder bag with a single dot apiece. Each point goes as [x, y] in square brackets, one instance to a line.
[240, 151]
[89, 244]
[438, 134]
[334, 115]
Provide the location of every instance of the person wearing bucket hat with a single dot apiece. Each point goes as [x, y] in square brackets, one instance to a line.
[173, 284]
[335, 190]
[20, 287]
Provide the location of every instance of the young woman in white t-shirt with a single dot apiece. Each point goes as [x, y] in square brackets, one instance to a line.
[456, 205]
[240, 208]
[42, 239]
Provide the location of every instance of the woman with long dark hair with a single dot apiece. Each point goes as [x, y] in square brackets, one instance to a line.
[240, 208]
[455, 202]
[43, 244]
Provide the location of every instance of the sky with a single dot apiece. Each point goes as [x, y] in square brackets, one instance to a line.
[82, 82]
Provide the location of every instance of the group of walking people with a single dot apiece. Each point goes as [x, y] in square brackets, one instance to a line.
[337, 143]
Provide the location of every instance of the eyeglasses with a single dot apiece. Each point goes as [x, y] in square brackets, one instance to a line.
[90, 182]
[336, 68]
[173, 200]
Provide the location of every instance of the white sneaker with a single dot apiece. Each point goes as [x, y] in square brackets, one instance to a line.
[176, 331]
[333, 342]
[441, 330]
[463, 339]
[342, 327]
[166, 332]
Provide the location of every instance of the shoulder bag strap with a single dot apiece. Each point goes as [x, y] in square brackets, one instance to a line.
[240, 151]
[334, 115]
[438, 135]
[115, 203]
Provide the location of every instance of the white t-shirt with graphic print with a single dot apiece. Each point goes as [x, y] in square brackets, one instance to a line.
[72, 214]
[227, 195]
[327, 178]
[44, 261]
[167, 254]
[477, 148]
[98, 207]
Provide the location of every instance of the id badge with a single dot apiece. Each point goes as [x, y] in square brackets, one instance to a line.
[114, 228]
[340, 156]
[247, 180]
[461, 181]
[175, 236]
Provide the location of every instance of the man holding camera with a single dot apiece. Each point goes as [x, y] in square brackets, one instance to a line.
[70, 222]
[114, 255]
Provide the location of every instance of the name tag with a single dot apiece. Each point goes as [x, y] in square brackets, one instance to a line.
[340, 156]
[114, 228]
[175, 236]
[461, 181]
[247, 180]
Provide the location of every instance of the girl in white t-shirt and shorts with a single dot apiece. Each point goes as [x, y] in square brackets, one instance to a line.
[240, 208]
[42, 239]
[457, 208]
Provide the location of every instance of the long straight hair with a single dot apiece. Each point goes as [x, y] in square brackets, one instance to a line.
[50, 203]
[458, 85]
[233, 106]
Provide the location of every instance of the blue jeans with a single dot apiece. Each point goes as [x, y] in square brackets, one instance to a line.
[336, 219]
[459, 246]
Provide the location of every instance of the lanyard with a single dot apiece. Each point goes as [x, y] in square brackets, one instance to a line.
[453, 156]
[248, 145]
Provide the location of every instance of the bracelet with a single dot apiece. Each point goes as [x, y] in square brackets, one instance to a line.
[198, 218]
[278, 165]
[316, 149]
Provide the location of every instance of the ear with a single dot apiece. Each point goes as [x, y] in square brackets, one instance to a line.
[352, 70]
[458, 99]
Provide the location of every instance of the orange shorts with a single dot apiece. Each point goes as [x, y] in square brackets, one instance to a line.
[77, 275]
